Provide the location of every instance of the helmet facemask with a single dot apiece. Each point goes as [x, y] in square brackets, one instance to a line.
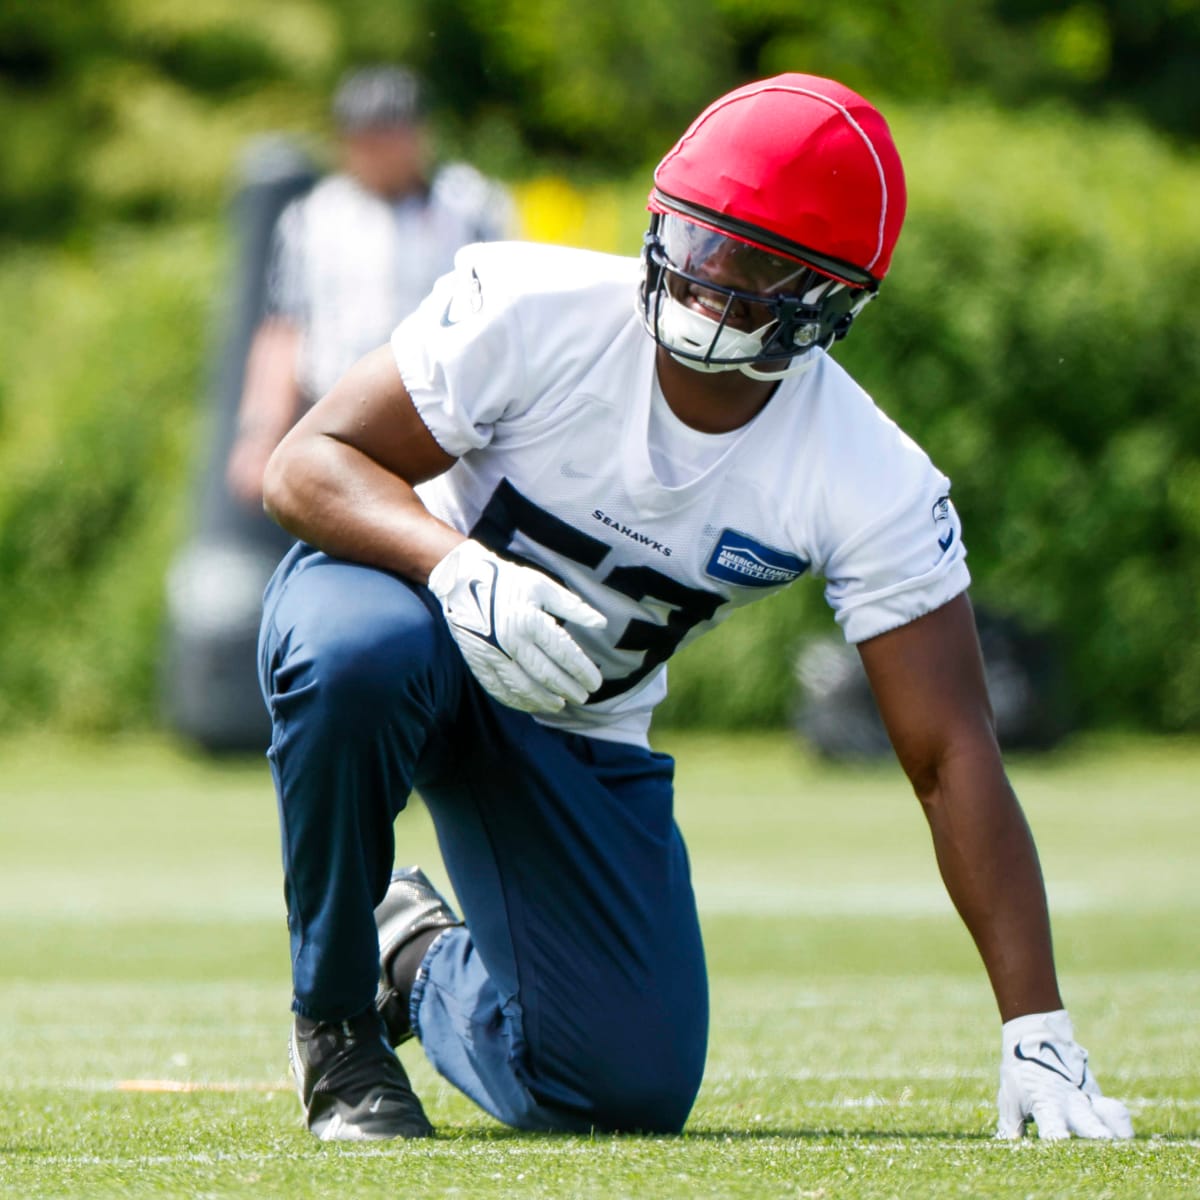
[719, 303]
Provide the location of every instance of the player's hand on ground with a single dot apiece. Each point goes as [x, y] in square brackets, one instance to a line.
[502, 616]
[1045, 1078]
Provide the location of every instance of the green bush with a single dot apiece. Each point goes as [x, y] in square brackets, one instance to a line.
[98, 431]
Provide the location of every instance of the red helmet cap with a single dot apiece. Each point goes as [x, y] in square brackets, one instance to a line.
[795, 164]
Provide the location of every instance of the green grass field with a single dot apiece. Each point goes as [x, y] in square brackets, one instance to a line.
[854, 1041]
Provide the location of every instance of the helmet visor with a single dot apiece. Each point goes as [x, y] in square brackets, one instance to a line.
[727, 262]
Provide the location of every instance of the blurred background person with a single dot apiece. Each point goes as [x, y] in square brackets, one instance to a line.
[326, 267]
[355, 255]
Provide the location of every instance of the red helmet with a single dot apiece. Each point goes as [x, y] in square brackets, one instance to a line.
[797, 165]
[790, 171]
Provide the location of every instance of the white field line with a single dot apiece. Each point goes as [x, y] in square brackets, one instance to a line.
[196, 1158]
[545, 1147]
[714, 1078]
[1135, 1104]
[803, 1075]
[195, 1085]
[902, 1075]
[872, 1099]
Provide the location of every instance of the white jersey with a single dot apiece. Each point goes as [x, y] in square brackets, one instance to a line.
[348, 264]
[530, 364]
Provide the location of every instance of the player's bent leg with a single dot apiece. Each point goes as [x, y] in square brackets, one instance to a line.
[481, 1054]
[591, 1009]
[610, 1081]
[576, 997]
[354, 665]
[356, 668]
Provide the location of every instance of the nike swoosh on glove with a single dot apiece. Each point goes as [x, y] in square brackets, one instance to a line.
[1044, 1077]
[502, 616]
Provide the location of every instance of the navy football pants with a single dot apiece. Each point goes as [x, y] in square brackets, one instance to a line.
[576, 996]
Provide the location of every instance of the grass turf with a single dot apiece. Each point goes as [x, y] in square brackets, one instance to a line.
[853, 1047]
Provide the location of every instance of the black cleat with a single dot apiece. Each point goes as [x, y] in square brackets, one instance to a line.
[352, 1087]
[412, 906]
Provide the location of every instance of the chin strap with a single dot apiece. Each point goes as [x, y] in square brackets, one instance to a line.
[802, 363]
[798, 366]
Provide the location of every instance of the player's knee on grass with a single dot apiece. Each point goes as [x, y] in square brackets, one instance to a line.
[648, 1096]
[639, 1075]
[656, 1106]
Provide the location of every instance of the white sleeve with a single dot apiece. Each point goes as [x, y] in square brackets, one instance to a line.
[459, 356]
[898, 552]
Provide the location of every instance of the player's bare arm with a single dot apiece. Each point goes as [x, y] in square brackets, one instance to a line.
[928, 679]
[343, 478]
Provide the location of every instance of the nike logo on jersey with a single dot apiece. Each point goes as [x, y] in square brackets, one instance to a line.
[472, 302]
[941, 512]
[739, 559]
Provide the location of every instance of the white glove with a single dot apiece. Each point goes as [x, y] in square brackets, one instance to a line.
[502, 617]
[1044, 1077]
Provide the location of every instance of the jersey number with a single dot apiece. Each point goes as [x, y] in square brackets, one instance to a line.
[508, 513]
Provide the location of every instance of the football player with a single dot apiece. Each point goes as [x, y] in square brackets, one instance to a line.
[563, 467]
